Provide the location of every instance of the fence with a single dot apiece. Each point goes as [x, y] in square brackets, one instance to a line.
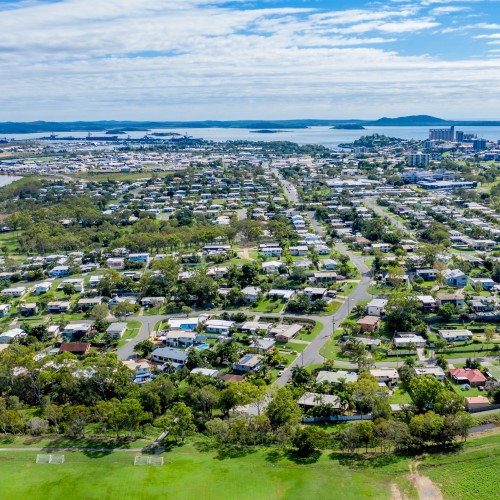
[340, 418]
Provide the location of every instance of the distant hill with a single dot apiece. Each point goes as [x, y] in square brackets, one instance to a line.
[128, 126]
[422, 120]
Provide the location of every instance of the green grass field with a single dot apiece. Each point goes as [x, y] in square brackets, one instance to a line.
[187, 473]
[197, 470]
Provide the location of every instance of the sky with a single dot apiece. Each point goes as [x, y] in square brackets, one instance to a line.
[68, 60]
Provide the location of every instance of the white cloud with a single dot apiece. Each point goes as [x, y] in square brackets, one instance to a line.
[194, 59]
[448, 10]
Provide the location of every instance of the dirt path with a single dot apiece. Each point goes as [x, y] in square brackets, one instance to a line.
[395, 493]
[426, 489]
[244, 253]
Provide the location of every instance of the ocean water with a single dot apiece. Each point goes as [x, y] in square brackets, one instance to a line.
[313, 135]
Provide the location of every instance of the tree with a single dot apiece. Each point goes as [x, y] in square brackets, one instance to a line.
[54, 414]
[69, 289]
[448, 403]
[38, 426]
[144, 347]
[77, 417]
[425, 390]
[124, 308]
[441, 362]
[489, 333]
[282, 409]
[178, 421]
[99, 312]
[300, 376]
[186, 310]
[308, 439]
[446, 311]
[401, 311]
[366, 433]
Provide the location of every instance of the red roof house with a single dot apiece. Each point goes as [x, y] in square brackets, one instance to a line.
[473, 377]
[74, 347]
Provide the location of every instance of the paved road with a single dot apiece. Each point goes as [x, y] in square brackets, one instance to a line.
[290, 190]
[147, 327]
[376, 208]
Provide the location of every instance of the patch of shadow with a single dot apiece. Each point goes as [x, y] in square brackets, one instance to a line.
[206, 446]
[274, 456]
[301, 459]
[96, 453]
[225, 452]
[7, 440]
[32, 440]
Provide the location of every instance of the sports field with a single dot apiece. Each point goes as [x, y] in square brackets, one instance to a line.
[248, 474]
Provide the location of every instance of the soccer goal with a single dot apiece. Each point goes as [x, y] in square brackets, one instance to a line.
[156, 461]
[49, 459]
[145, 460]
[141, 460]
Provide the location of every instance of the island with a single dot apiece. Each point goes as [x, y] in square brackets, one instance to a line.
[267, 131]
[348, 126]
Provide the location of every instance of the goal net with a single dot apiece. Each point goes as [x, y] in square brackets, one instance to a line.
[49, 459]
[156, 461]
[145, 460]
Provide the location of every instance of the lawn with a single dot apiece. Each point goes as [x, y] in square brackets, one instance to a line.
[400, 396]
[269, 306]
[252, 474]
[312, 333]
[470, 473]
[198, 470]
[131, 332]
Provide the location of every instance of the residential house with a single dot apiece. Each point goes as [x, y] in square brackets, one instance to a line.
[139, 257]
[338, 377]
[426, 274]
[206, 372]
[76, 282]
[454, 277]
[28, 309]
[388, 376]
[186, 323]
[428, 302]
[4, 310]
[272, 252]
[17, 291]
[8, 336]
[329, 264]
[218, 326]
[253, 327]
[456, 299]
[43, 287]
[281, 294]
[271, 267]
[376, 307]
[117, 330]
[404, 340]
[324, 277]
[485, 283]
[59, 272]
[89, 303]
[470, 376]
[315, 293]
[152, 301]
[76, 330]
[299, 251]
[169, 355]
[477, 403]
[141, 369]
[251, 293]
[115, 263]
[179, 338]
[369, 324]
[383, 247]
[77, 348]
[249, 362]
[58, 306]
[435, 371]
[312, 399]
[455, 335]
[285, 333]
[262, 345]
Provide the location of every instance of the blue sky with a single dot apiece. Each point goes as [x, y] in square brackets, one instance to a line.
[267, 59]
